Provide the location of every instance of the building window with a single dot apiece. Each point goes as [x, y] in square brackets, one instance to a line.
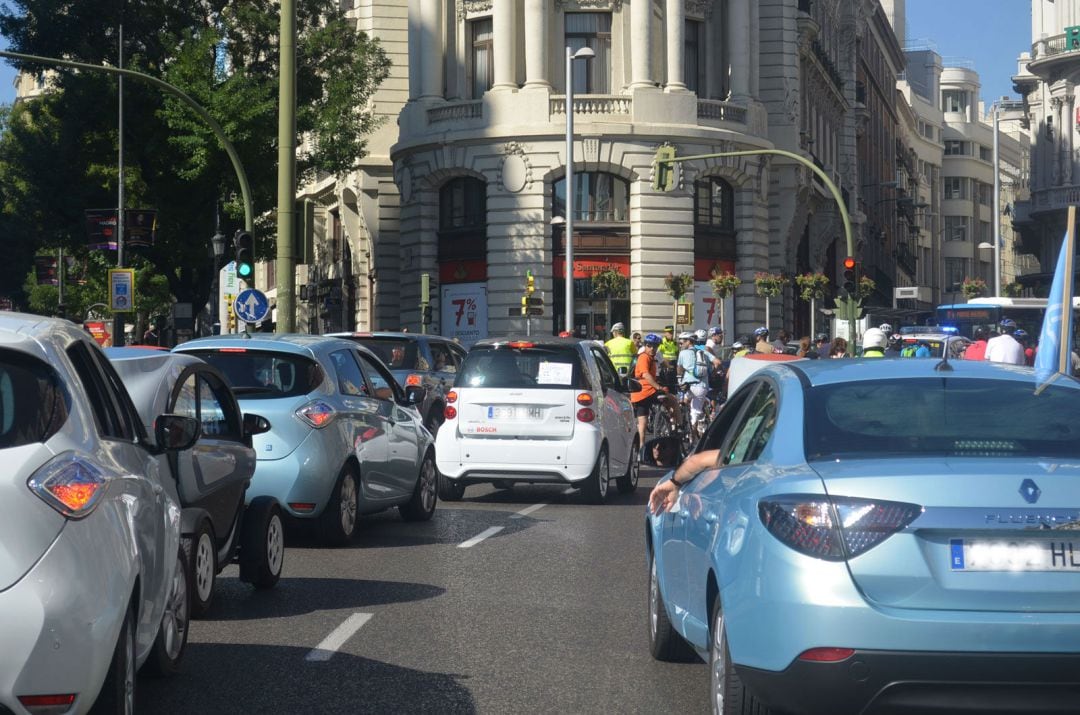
[956, 187]
[986, 194]
[463, 220]
[714, 219]
[954, 147]
[483, 58]
[955, 272]
[592, 30]
[598, 198]
[956, 228]
[953, 100]
[986, 153]
[693, 67]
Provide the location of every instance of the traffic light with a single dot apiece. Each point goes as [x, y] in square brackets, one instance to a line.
[850, 277]
[1072, 38]
[664, 169]
[425, 315]
[46, 269]
[244, 243]
[530, 283]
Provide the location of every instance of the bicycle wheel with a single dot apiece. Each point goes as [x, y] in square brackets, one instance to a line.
[659, 423]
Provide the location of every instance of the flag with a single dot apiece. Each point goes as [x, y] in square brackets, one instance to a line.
[1055, 339]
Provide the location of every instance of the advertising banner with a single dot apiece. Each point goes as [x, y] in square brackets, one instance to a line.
[464, 312]
[707, 310]
[122, 289]
[140, 226]
[99, 331]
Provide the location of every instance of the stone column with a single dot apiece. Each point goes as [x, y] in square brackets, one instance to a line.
[431, 49]
[641, 42]
[414, 32]
[755, 49]
[502, 26]
[537, 55]
[1069, 128]
[738, 33]
[676, 45]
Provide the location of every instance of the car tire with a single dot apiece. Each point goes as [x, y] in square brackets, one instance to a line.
[729, 694]
[262, 543]
[421, 506]
[200, 549]
[665, 643]
[595, 487]
[337, 523]
[450, 489]
[627, 483]
[172, 636]
[117, 695]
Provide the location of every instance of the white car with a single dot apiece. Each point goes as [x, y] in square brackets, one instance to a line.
[538, 410]
[92, 576]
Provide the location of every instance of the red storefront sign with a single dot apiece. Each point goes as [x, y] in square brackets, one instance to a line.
[462, 272]
[706, 268]
[589, 266]
[98, 330]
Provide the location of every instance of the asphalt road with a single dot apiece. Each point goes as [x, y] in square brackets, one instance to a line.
[484, 609]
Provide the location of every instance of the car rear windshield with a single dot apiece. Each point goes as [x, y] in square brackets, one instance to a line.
[255, 374]
[396, 353]
[538, 367]
[33, 403]
[942, 417]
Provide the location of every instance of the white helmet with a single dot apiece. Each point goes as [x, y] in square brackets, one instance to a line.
[886, 328]
[618, 327]
[874, 338]
[686, 336]
[700, 335]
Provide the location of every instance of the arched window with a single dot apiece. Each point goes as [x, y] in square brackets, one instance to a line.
[463, 220]
[598, 198]
[714, 219]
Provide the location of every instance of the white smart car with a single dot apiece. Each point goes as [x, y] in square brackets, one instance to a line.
[538, 410]
[92, 577]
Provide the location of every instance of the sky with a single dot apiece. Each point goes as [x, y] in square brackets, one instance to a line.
[953, 27]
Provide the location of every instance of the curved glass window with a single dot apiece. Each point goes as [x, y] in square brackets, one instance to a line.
[463, 220]
[598, 198]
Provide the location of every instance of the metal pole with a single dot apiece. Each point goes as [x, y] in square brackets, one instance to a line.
[569, 235]
[286, 193]
[997, 205]
[60, 283]
[118, 318]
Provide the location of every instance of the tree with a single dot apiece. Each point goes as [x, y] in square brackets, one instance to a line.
[610, 285]
[58, 153]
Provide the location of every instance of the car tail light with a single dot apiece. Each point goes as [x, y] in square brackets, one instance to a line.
[826, 655]
[412, 380]
[451, 397]
[584, 398]
[232, 350]
[835, 528]
[302, 506]
[48, 704]
[520, 344]
[450, 412]
[70, 484]
[318, 414]
[586, 414]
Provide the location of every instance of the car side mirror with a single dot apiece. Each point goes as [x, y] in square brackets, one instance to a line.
[631, 385]
[255, 424]
[414, 394]
[661, 452]
[176, 432]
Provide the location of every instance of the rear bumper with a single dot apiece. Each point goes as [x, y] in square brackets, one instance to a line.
[917, 683]
[488, 459]
[306, 475]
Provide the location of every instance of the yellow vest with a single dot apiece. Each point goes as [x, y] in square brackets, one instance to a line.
[669, 350]
[622, 351]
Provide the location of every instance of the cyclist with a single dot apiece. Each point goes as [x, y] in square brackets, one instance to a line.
[896, 343]
[651, 391]
[874, 342]
[886, 328]
[715, 341]
[621, 349]
[761, 341]
[693, 373]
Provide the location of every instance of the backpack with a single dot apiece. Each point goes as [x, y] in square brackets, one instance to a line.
[701, 365]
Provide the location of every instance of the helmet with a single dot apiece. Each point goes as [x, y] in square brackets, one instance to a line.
[737, 345]
[618, 327]
[669, 328]
[1007, 323]
[652, 339]
[700, 335]
[874, 338]
[885, 328]
[761, 332]
[1020, 333]
[895, 339]
[686, 336]
[716, 330]
[822, 338]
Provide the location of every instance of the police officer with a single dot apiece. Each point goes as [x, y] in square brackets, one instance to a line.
[669, 349]
[621, 349]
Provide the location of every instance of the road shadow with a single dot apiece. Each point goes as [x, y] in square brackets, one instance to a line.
[521, 495]
[227, 678]
[235, 600]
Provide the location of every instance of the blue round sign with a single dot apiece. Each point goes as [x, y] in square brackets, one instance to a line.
[251, 306]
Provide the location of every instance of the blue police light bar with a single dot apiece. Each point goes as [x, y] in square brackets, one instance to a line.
[949, 329]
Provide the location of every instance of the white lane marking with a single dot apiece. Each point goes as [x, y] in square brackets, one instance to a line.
[490, 531]
[527, 510]
[569, 490]
[330, 645]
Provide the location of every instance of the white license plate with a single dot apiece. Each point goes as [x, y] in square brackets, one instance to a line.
[513, 413]
[1014, 555]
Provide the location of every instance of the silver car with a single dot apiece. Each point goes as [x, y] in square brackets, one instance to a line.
[345, 440]
[93, 579]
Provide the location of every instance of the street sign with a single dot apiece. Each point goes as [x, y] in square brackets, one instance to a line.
[535, 300]
[121, 289]
[516, 312]
[251, 306]
[536, 311]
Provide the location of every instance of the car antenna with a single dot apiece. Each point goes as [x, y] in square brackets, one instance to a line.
[944, 365]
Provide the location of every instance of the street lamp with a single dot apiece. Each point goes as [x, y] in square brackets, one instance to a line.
[584, 53]
[218, 242]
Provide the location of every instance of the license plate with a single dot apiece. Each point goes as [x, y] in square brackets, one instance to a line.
[1014, 555]
[513, 413]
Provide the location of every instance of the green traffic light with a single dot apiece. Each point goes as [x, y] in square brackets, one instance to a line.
[243, 270]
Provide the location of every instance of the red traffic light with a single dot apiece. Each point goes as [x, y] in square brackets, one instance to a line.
[849, 263]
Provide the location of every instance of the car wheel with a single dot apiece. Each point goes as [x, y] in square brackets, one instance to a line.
[422, 504]
[627, 483]
[262, 543]
[338, 520]
[729, 695]
[117, 696]
[665, 643]
[172, 635]
[450, 489]
[201, 553]
[596, 485]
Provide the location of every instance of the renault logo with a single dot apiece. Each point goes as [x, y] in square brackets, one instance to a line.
[1030, 491]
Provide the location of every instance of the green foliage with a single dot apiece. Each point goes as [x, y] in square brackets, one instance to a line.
[610, 284]
[973, 287]
[768, 285]
[812, 286]
[866, 286]
[678, 285]
[58, 153]
[87, 283]
[724, 285]
[1013, 290]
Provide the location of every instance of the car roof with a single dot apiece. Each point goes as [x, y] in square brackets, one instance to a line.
[149, 376]
[27, 332]
[387, 334]
[815, 373]
[544, 340]
[295, 343]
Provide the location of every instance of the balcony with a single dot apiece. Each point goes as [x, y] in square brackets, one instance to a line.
[717, 111]
[457, 111]
[1058, 198]
[1051, 54]
[593, 105]
[906, 259]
